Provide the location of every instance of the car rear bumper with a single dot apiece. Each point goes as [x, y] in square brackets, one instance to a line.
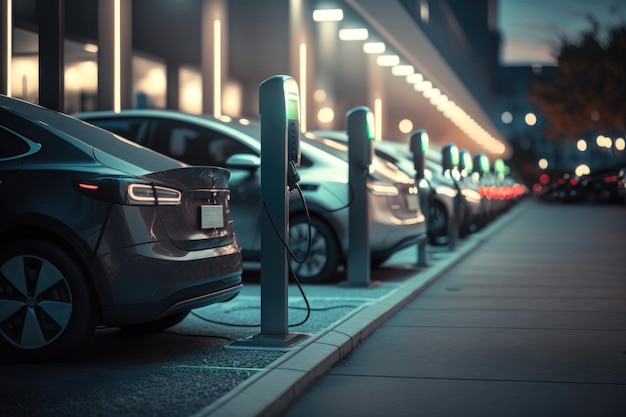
[146, 282]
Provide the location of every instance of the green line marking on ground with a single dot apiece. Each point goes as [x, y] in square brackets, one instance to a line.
[217, 368]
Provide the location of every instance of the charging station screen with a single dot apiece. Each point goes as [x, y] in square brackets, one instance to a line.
[370, 126]
[467, 161]
[499, 166]
[484, 164]
[292, 109]
[425, 143]
[454, 155]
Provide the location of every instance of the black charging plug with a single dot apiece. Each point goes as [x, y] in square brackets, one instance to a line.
[292, 176]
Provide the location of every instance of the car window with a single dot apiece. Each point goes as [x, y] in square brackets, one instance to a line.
[11, 145]
[129, 127]
[83, 135]
[194, 145]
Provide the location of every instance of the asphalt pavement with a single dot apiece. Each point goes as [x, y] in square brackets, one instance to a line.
[526, 316]
[189, 369]
[532, 323]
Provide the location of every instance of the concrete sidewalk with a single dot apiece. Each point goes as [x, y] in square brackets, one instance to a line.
[532, 323]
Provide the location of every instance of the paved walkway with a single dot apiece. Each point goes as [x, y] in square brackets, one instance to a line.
[532, 323]
[526, 317]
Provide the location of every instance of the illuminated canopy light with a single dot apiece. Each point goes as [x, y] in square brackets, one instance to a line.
[543, 163]
[506, 117]
[620, 144]
[402, 70]
[581, 145]
[359, 34]
[530, 119]
[325, 115]
[405, 126]
[423, 86]
[439, 101]
[414, 78]
[432, 93]
[582, 169]
[374, 47]
[604, 141]
[328, 15]
[91, 48]
[388, 60]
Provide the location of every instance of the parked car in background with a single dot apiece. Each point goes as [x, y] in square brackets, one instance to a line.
[564, 189]
[97, 230]
[395, 218]
[602, 186]
[439, 189]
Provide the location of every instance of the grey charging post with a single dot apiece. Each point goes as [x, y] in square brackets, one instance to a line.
[418, 145]
[279, 106]
[360, 129]
[450, 162]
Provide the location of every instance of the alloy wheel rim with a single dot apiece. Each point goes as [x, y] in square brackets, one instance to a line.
[35, 302]
[318, 253]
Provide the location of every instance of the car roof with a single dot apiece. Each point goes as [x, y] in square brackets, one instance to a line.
[109, 149]
[247, 130]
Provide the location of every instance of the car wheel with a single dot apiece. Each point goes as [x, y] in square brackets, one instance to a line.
[324, 255]
[47, 308]
[157, 325]
[437, 225]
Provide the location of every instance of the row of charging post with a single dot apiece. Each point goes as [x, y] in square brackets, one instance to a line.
[280, 155]
[279, 107]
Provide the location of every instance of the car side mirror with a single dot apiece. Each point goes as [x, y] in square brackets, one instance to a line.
[246, 161]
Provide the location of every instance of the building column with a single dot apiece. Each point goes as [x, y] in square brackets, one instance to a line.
[115, 69]
[51, 20]
[172, 91]
[6, 28]
[214, 52]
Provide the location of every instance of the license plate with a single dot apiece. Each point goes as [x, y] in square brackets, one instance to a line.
[211, 217]
[412, 202]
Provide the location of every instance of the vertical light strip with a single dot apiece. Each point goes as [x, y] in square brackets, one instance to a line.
[303, 87]
[378, 118]
[217, 68]
[9, 34]
[117, 58]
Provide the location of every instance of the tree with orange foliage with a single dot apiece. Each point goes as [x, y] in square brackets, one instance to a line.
[589, 91]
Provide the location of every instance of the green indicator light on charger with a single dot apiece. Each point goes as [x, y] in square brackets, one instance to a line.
[370, 126]
[292, 97]
[425, 142]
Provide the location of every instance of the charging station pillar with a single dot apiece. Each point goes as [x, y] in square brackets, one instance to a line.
[418, 145]
[450, 162]
[280, 135]
[360, 129]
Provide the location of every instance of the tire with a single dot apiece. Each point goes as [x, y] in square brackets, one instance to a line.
[437, 225]
[47, 306]
[324, 257]
[157, 325]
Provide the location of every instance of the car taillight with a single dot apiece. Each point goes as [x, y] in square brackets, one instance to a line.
[382, 188]
[612, 178]
[153, 194]
[129, 192]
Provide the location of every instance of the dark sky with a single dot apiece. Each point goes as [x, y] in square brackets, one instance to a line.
[531, 29]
